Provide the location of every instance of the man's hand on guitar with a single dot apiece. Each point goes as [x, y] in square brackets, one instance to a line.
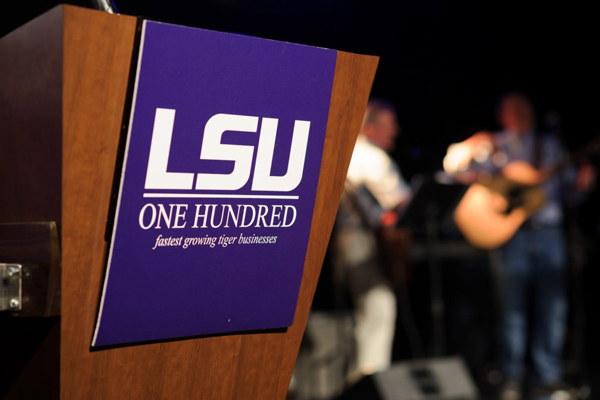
[459, 155]
[586, 177]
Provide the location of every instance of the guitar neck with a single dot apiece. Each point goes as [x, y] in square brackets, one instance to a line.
[574, 157]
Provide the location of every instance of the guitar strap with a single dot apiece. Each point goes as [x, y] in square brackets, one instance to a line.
[537, 148]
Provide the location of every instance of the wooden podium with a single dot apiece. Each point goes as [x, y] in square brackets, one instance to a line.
[64, 80]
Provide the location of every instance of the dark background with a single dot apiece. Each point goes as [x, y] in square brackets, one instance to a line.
[443, 64]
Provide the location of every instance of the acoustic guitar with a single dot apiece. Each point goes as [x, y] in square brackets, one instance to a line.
[494, 207]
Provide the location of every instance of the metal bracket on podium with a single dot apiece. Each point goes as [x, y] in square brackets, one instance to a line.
[29, 269]
[10, 287]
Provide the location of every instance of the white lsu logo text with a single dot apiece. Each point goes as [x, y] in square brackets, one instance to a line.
[157, 176]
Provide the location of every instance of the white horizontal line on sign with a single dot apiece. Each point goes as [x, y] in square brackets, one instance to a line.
[219, 196]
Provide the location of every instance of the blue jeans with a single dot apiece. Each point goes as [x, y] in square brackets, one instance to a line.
[535, 263]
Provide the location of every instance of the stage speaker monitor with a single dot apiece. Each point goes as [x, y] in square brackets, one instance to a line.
[430, 379]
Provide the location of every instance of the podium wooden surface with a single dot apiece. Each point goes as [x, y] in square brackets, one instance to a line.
[63, 86]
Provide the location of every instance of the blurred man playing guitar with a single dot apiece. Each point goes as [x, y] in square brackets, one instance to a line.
[515, 201]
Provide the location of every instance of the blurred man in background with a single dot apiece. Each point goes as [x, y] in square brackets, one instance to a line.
[535, 257]
[374, 191]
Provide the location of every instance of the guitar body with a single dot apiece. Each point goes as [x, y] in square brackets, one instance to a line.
[492, 210]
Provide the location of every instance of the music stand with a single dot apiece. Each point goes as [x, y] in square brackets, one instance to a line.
[431, 197]
[432, 201]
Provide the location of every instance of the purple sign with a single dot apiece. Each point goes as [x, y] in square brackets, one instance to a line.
[218, 185]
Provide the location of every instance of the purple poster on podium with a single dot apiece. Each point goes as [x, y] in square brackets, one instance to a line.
[218, 185]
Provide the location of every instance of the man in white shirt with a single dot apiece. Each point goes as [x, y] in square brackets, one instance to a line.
[374, 188]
